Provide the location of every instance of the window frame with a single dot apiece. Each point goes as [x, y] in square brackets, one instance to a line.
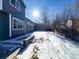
[15, 5]
[19, 21]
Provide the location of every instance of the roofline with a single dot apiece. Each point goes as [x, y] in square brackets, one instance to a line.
[30, 20]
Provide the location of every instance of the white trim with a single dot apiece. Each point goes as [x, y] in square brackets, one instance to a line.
[17, 19]
[1, 5]
[10, 27]
[13, 5]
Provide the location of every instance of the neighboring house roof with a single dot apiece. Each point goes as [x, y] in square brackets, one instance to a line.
[29, 20]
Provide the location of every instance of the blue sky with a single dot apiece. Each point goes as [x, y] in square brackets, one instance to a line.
[55, 7]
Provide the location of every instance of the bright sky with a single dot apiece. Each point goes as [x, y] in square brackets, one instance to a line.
[35, 7]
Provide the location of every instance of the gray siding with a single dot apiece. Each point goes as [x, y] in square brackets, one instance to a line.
[4, 26]
[30, 26]
[7, 7]
[11, 9]
[17, 32]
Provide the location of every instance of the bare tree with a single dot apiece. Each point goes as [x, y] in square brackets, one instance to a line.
[77, 9]
[45, 19]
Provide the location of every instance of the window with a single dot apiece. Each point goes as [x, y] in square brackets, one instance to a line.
[16, 4]
[13, 2]
[17, 24]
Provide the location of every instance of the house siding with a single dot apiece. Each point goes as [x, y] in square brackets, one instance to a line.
[14, 31]
[14, 14]
[6, 29]
[17, 32]
[4, 25]
[12, 20]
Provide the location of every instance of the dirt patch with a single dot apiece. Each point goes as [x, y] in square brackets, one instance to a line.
[35, 55]
[40, 40]
[36, 48]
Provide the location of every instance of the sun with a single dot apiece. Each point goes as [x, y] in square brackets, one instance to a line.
[35, 13]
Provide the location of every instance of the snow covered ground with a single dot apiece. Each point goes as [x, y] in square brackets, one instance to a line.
[47, 45]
